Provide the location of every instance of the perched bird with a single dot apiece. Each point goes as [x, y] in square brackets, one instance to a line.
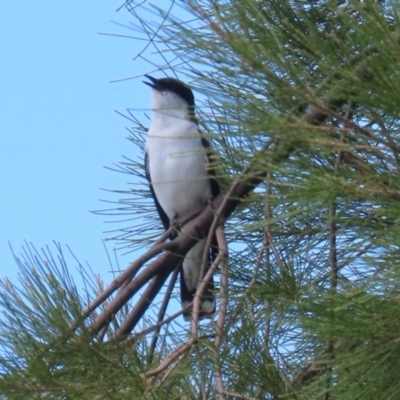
[180, 182]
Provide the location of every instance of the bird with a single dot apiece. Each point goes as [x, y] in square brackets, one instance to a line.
[181, 182]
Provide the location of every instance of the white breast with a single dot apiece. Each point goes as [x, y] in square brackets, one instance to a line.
[177, 166]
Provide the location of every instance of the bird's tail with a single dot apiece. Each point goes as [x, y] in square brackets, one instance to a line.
[190, 279]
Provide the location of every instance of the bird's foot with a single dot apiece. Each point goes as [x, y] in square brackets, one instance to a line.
[176, 225]
[209, 202]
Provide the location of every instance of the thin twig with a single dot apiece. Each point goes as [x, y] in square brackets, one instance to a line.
[179, 351]
[267, 234]
[200, 289]
[161, 312]
[219, 329]
[239, 396]
[167, 320]
[165, 263]
[272, 246]
[128, 272]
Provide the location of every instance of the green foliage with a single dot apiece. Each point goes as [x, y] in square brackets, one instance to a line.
[314, 252]
[41, 357]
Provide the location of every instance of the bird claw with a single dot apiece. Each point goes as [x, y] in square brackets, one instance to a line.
[176, 225]
[209, 202]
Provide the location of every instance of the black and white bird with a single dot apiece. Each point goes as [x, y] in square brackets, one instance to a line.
[180, 181]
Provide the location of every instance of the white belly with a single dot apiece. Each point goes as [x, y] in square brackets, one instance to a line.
[178, 174]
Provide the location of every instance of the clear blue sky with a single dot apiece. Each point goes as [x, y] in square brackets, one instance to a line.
[58, 123]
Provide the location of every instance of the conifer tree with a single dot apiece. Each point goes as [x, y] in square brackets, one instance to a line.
[301, 101]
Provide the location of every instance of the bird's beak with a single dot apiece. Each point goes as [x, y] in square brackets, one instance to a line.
[153, 82]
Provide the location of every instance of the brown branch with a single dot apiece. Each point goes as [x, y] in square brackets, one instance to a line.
[144, 302]
[197, 297]
[179, 351]
[164, 264]
[223, 253]
[170, 371]
[223, 250]
[161, 312]
[130, 271]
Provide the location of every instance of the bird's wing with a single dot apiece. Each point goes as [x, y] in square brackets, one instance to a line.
[215, 190]
[163, 216]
